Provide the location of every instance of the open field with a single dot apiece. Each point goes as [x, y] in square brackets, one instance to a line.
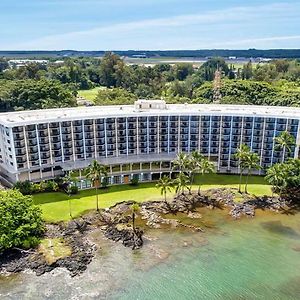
[55, 206]
[89, 94]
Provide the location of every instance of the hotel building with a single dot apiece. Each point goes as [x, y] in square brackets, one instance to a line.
[138, 140]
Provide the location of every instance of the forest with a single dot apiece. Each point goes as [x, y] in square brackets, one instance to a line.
[56, 84]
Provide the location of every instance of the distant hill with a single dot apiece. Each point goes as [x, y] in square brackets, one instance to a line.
[250, 53]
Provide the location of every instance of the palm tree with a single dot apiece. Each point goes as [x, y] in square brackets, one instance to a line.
[69, 180]
[195, 162]
[181, 183]
[165, 184]
[205, 167]
[181, 163]
[284, 142]
[94, 173]
[251, 162]
[276, 176]
[134, 210]
[241, 155]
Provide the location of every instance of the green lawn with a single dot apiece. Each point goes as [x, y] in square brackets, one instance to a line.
[89, 94]
[55, 206]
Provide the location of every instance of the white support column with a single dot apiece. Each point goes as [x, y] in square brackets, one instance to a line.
[169, 134]
[242, 129]
[209, 137]
[199, 135]
[148, 134]
[179, 133]
[95, 138]
[189, 136]
[241, 141]
[50, 144]
[273, 143]
[252, 134]
[158, 135]
[220, 143]
[62, 144]
[284, 150]
[126, 130]
[137, 137]
[105, 137]
[262, 145]
[83, 138]
[296, 155]
[26, 147]
[116, 131]
[13, 149]
[38, 144]
[230, 144]
[73, 143]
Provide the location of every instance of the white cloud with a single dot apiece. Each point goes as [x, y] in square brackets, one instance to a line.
[134, 35]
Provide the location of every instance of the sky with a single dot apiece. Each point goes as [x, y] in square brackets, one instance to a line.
[148, 24]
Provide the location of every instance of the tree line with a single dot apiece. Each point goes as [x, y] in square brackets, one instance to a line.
[37, 86]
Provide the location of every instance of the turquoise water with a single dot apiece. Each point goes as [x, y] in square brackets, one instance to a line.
[246, 259]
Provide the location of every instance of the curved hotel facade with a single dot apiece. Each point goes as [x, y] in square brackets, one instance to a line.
[138, 140]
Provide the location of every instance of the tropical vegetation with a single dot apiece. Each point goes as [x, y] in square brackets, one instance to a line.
[21, 223]
[38, 86]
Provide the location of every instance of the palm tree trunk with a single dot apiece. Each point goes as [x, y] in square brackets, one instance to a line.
[97, 203]
[70, 208]
[246, 185]
[283, 153]
[165, 196]
[240, 182]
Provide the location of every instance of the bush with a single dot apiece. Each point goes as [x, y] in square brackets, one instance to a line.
[74, 190]
[21, 222]
[104, 183]
[134, 180]
[24, 187]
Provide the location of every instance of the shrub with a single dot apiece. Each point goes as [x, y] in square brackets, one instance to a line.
[104, 183]
[21, 222]
[134, 180]
[24, 187]
[74, 190]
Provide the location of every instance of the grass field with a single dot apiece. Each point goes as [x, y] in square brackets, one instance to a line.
[55, 206]
[89, 94]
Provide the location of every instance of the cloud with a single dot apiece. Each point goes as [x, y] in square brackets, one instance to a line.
[129, 35]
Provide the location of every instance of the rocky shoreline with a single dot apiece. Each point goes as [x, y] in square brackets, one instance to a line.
[115, 224]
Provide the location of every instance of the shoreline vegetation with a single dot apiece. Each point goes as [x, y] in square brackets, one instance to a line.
[67, 244]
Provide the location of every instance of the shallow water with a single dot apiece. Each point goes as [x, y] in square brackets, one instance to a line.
[246, 259]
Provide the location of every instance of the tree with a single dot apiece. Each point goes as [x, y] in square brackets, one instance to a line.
[21, 223]
[241, 155]
[181, 183]
[285, 179]
[116, 96]
[276, 176]
[205, 167]
[181, 163]
[196, 159]
[95, 172]
[285, 141]
[134, 210]
[165, 184]
[34, 94]
[251, 163]
[69, 180]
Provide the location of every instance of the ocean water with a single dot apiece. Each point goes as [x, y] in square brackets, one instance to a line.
[255, 258]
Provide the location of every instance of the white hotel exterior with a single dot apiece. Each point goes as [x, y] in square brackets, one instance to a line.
[137, 140]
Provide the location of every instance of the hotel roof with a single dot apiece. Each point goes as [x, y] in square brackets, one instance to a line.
[12, 119]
